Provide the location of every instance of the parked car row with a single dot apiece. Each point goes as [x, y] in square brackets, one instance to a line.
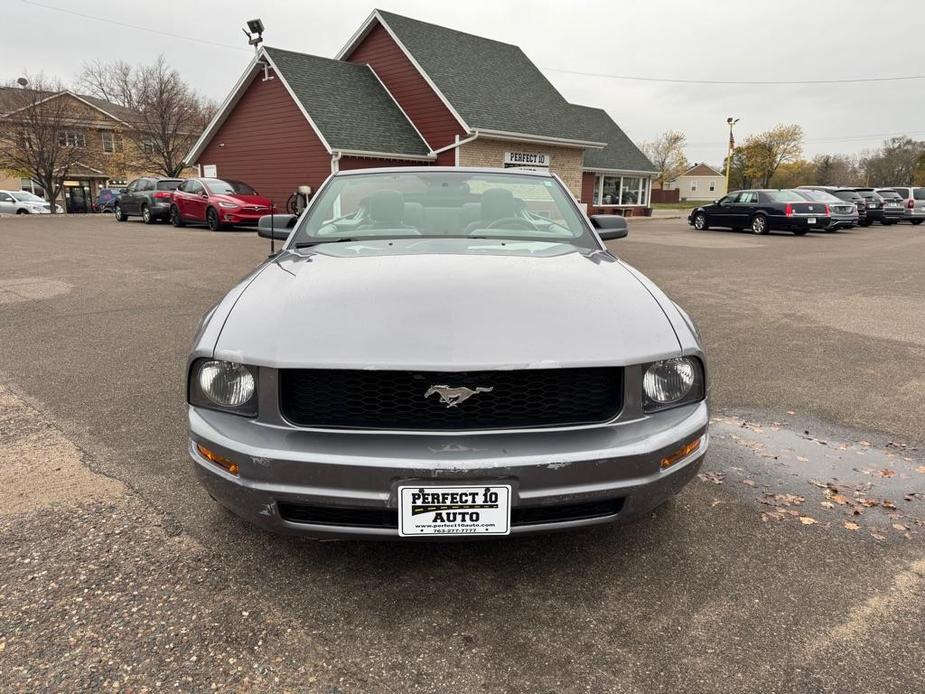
[24, 202]
[217, 203]
[811, 208]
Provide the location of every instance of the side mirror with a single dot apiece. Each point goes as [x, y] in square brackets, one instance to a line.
[276, 226]
[609, 226]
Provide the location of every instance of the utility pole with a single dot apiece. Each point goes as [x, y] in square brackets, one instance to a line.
[732, 145]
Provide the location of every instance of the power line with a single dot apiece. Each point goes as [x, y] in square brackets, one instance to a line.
[135, 26]
[853, 80]
[635, 78]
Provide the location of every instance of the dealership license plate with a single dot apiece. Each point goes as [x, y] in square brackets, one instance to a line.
[811, 220]
[448, 510]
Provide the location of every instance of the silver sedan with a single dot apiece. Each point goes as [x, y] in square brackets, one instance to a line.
[24, 202]
[444, 352]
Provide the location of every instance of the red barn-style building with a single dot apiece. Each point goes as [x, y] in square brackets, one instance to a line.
[407, 93]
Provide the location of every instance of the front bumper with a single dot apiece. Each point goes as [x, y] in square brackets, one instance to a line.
[242, 218]
[341, 471]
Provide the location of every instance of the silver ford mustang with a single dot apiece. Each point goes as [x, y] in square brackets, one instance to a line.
[443, 352]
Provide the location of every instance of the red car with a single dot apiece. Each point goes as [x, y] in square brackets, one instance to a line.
[218, 203]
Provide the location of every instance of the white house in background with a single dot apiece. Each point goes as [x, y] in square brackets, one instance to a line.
[700, 182]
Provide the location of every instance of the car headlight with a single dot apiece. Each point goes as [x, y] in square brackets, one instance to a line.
[227, 205]
[223, 385]
[672, 382]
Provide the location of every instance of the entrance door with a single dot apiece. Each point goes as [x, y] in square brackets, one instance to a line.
[77, 198]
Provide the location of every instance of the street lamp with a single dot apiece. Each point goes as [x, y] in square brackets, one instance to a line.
[732, 145]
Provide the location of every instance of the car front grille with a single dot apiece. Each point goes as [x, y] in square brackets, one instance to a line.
[367, 399]
[353, 517]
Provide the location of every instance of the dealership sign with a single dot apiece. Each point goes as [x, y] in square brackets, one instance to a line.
[526, 160]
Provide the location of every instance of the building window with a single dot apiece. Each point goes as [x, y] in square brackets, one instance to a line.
[712, 186]
[112, 142]
[629, 190]
[147, 146]
[621, 190]
[693, 187]
[610, 190]
[31, 186]
[72, 138]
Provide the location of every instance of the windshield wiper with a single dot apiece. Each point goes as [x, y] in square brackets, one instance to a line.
[306, 244]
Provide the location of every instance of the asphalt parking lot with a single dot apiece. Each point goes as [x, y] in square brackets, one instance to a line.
[794, 563]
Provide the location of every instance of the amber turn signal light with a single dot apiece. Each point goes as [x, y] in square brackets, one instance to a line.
[681, 453]
[220, 460]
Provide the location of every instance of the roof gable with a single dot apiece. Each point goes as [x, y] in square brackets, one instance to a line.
[620, 154]
[489, 85]
[348, 104]
[11, 102]
[701, 170]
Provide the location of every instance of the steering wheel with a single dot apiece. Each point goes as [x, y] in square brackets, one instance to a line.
[512, 223]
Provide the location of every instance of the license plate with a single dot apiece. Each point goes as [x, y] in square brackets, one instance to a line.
[811, 220]
[445, 510]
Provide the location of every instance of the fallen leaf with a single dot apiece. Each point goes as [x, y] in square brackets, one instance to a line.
[888, 504]
[900, 527]
[851, 526]
[864, 443]
[877, 537]
[716, 502]
[790, 412]
[840, 499]
[802, 459]
[921, 468]
[714, 477]
[885, 472]
[827, 504]
[806, 520]
[749, 483]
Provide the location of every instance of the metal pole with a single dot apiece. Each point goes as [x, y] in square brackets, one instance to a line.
[730, 148]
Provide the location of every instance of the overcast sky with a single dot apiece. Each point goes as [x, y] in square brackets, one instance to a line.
[737, 41]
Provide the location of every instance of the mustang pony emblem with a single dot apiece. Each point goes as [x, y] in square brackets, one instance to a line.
[451, 397]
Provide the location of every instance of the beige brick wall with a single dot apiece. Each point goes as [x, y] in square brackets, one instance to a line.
[564, 161]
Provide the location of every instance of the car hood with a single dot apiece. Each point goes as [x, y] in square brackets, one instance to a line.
[240, 198]
[400, 304]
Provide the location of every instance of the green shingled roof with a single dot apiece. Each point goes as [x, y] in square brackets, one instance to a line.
[492, 85]
[620, 152]
[349, 105]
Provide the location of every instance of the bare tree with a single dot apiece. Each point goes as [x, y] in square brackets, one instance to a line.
[894, 163]
[40, 133]
[666, 152]
[765, 152]
[836, 170]
[167, 115]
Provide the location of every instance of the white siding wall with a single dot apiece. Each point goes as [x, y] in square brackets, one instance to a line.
[698, 187]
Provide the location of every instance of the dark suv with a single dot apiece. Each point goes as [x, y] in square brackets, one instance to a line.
[850, 195]
[148, 198]
[893, 205]
[874, 204]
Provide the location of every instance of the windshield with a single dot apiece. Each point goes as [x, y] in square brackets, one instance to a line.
[784, 196]
[219, 187]
[889, 195]
[819, 195]
[441, 204]
[25, 196]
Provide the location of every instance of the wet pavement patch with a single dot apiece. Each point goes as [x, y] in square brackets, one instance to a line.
[843, 482]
